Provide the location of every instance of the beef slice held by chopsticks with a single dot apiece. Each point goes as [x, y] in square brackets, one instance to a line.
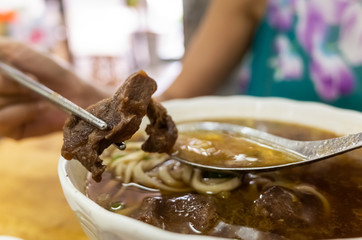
[123, 113]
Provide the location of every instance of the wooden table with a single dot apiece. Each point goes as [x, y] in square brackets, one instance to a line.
[32, 204]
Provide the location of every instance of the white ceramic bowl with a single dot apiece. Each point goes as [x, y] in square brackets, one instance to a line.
[99, 223]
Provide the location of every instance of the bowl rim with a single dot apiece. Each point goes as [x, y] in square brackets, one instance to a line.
[175, 107]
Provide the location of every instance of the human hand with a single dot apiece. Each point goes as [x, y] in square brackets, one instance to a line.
[24, 113]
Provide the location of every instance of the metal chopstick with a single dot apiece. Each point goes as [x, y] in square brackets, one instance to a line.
[52, 96]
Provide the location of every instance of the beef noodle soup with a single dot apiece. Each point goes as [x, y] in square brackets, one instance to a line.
[316, 201]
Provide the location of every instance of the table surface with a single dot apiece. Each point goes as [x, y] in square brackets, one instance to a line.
[32, 204]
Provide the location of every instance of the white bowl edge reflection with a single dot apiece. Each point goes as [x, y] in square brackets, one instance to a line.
[99, 223]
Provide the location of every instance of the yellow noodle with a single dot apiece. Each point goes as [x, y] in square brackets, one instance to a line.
[142, 178]
[176, 170]
[129, 157]
[171, 176]
[167, 179]
[119, 170]
[186, 174]
[128, 172]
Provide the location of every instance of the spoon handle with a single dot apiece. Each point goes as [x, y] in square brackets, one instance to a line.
[52, 96]
[329, 147]
[309, 150]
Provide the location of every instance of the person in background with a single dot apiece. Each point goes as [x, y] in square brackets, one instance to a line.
[25, 114]
[299, 49]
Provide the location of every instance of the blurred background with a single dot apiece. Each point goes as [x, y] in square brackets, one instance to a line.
[107, 40]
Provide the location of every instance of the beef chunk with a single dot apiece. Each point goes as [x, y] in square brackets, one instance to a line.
[123, 113]
[161, 130]
[278, 204]
[295, 207]
[187, 213]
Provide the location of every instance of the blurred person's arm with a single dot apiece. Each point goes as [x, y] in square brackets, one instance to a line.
[24, 113]
[220, 43]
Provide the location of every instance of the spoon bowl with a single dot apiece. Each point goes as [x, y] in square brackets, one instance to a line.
[289, 152]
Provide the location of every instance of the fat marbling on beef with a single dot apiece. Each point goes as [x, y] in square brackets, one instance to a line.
[123, 113]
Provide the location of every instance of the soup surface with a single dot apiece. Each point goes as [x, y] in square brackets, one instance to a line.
[222, 149]
[316, 201]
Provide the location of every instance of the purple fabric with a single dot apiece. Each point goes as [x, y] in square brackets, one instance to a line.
[331, 78]
[328, 67]
[280, 13]
[311, 28]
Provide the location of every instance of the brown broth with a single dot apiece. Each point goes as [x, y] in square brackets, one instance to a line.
[338, 180]
[220, 149]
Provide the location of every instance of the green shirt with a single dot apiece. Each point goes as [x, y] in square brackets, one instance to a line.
[309, 55]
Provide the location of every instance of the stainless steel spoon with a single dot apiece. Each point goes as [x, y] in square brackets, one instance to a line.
[55, 98]
[304, 151]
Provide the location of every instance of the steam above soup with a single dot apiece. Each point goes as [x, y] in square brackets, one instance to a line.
[317, 201]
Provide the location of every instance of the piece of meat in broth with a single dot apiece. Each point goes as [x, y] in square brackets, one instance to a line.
[182, 213]
[123, 113]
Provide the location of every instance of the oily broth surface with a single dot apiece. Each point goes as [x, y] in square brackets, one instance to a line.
[338, 179]
[224, 150]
